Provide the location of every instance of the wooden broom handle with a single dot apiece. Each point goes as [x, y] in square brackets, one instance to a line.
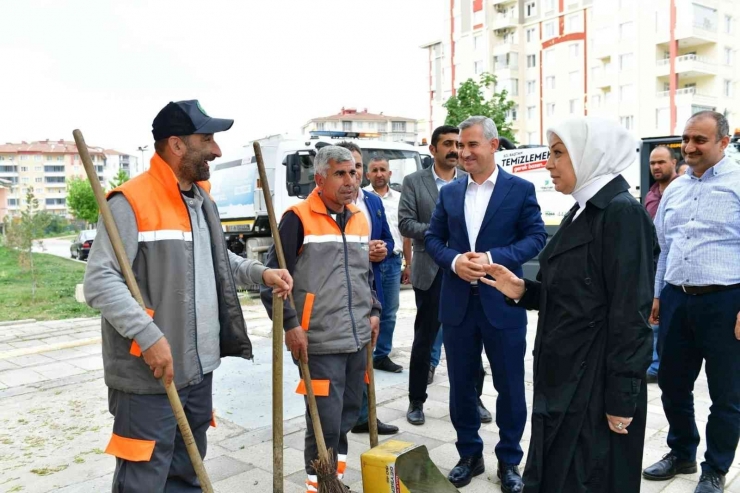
[128, 275]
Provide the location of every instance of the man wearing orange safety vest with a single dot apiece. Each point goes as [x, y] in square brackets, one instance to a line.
[326, 242]
[172, 235]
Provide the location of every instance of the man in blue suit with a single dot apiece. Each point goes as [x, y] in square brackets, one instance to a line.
[489, 217]
[381, 242]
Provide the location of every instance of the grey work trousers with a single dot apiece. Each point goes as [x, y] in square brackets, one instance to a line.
[140, 418]
[339, 409]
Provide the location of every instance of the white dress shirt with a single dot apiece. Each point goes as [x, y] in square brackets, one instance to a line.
[440, 182]
[477, 198]
[360, 203]
[390, 203]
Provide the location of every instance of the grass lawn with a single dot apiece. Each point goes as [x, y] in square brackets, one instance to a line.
[56, 279]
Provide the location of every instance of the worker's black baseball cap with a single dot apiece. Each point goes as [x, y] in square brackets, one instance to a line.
[186, 118]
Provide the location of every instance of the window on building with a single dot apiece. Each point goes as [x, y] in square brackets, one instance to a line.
[2, 158]
[532, 138]
[531, 35]
[12, 202]
[531, 61]
[39, 180]
[728, 88]
[728, 24]
[61, 158]
[38, 169]
[530, 9]
[549, 30]
[627, 122]
[728, 55]
[320, 125]
[25, 179]
[39, 190]
[626, 92]
[510, 37]
[572, 105]
[8, 169]
[513, 113]
[478, 67]
[550, 109]
[531, 112]
[705, 18]
[347, 126]
[514, 87]
[549, 6]
[626, 61]
[24, 157]
[575, 50]
[574, 78]
[626, 31]
[550, 58]
[37, 157]
[54, 179]
[398, 126]
[596, 101]
[531, 86]
[60, 169]
[360, 125]
[573, 23]
[477, 42]
[49, 157]
[550, 82]
[24, 169]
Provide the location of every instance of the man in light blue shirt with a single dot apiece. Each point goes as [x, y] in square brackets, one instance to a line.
[697, 289]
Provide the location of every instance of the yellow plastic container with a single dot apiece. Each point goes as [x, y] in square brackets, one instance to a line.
[401, 467]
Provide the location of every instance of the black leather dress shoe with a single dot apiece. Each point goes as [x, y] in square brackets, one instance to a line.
[710, 482]
[465, 470]
[415, 414]
[511, 480]
[383, 429]
[430, 378]
[485, 414]
[668, 467]
[386, 364]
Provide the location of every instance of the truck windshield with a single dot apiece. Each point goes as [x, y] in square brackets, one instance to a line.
[400, 162]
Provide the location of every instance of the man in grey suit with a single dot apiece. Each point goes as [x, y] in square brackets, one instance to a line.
[418, 199]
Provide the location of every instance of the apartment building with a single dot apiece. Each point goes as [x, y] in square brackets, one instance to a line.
[44, 167]
[648, 64]
[380, 126]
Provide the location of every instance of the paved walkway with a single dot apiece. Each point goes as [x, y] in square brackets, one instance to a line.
[54, 421]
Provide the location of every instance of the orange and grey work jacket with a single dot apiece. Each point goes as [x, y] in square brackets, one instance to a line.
[164, 268]
[332, 276]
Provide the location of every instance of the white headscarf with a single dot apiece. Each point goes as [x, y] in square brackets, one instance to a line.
[599, 149]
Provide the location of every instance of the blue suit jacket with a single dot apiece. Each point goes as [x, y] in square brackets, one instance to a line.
[512, 232]
[379, 230]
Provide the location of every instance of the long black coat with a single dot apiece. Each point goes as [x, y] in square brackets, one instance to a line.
[594, 344]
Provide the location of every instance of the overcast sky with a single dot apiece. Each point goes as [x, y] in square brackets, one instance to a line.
[107, 67]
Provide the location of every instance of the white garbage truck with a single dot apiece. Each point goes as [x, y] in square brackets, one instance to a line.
[237, 191]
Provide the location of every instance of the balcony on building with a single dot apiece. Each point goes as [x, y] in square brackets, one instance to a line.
[690, 65]
[505, 41]
[54, 170]
[603, 77]
[55, 203]
[505, 20]
[7, 171]
[506, 66]
[691, 97]
[503, 2]
[696, 25]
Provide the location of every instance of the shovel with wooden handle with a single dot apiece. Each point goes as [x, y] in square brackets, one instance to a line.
[128, 275]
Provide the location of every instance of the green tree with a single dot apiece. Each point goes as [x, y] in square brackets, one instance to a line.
[81, 200]
[118, 180]
[470, 101]
[21, 231]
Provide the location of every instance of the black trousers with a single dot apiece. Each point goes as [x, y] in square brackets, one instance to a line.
[426, 327]
[696, 330]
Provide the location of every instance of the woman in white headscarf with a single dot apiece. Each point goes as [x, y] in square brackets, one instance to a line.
[594, 344]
